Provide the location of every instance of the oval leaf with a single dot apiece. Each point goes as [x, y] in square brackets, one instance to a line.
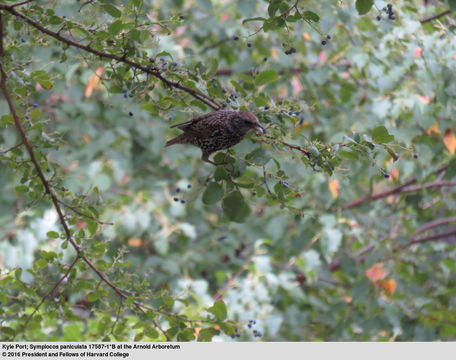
[213, 193]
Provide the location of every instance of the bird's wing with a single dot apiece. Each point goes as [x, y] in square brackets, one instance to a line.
[185, 125]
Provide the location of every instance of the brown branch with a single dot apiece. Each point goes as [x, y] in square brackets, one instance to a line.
[442, 235]
[76, 211]
[2, 153]
[20, 3]
[429, 19]
[122, 59]
[430, 185]
[291, 146]
[434, 224]
[400, 189]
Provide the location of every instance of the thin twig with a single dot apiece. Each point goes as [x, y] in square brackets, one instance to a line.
[49, 293]
[75, 210]
[20, 3]
[119, 58]
[434, 224]
[429, 19]
[442, 235]
[398, 189]
[4, 152]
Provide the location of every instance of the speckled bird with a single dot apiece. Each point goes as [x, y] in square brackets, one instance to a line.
[216, 131]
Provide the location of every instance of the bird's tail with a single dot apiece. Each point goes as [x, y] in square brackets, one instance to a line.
[180, 139]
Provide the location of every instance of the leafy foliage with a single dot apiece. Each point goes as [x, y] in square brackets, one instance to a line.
[334, 225]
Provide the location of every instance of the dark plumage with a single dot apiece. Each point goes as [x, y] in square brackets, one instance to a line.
[216, 131]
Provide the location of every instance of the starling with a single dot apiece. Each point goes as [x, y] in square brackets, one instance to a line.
[216, 131]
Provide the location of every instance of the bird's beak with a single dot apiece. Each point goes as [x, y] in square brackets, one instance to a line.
[260, 128]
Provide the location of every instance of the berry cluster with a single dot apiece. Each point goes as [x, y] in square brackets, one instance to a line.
[178, 191]
[324, 42]
[290, 51]
[388, 9]
[255, 332]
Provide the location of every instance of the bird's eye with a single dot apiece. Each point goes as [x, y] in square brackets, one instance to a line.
[247, 122]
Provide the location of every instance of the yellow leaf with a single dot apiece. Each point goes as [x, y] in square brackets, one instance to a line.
[135, 242]
[376, 272]
[450, 141]
[434, 129]
[334, 188]
[389, 286]
[394, 174]
[93, 82]
[306, 36]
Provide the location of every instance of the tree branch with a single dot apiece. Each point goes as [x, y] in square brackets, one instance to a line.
[403, 188]
[432, 18]
[122, 59]
[434, 224]
[20, 3]
[4, 152]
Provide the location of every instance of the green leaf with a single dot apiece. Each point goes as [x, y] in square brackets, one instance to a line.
[218, 310]
[452, 4]
[187, 334]
[115, 28]
[310, 15]
[112, 10]
[93, 296]
[273, 7]
[253, 19]
[207, 334]
[363, 6]
[350, 155]
[380, 135]
[266, 77]
[220, 173]
[52, 234]
[258, 157]
[235, 208]
[213, 193]
[21, 189]
[42, 78]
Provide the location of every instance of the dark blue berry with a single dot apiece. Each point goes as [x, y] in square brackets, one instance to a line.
[415, 156]
[130, 95]
[254, 193]
[392, 17]
[249, 45]
[249, 326]
[182, 201]
[125, 95]
[287, 52]
[296, 113]
[176, 199]
[290, 113]
[178, 190]
[189, 186]
[323, 42]
[35, 105]
[236, 38]
[23, 40]
[386, 176]
[266, 107]
[328, 37]
[221, 238]
[265, 58]
[181, 17]
[379, 17]
[293, 49]
[26, 117]
[130, 113]
[285, 184]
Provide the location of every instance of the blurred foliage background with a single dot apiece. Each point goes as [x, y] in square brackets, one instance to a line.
[337, 225]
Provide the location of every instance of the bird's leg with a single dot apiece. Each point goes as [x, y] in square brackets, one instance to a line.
[205, 158]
